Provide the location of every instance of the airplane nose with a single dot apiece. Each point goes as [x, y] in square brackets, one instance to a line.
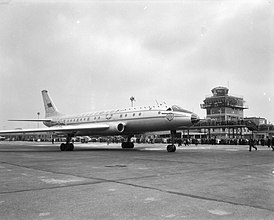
[194, 118]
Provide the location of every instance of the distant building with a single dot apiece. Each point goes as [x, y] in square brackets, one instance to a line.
[223, 107]
[225, 113]
[257, 120]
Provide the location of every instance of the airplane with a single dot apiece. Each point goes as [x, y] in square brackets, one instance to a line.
[125, 122]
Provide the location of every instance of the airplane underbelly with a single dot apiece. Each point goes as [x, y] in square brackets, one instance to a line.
[147, 125]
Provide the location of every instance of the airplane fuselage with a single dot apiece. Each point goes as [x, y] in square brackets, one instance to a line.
[128, 121]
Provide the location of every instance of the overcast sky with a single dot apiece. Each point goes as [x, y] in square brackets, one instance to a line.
[95, 55]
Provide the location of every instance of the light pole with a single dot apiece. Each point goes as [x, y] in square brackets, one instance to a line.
[38, 114]
[132, 99]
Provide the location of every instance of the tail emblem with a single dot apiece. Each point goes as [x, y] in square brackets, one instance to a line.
[49, 105]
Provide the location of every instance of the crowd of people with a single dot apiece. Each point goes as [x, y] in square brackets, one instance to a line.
[252, 142]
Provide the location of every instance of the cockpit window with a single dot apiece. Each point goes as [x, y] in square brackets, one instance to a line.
[169, 109]
[179, 109]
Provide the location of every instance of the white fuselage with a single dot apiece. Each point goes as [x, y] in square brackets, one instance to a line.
[128, 121]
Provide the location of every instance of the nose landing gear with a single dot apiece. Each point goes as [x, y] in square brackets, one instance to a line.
[171, 147]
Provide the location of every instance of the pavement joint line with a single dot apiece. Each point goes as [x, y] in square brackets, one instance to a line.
[48, 171]
[120, 181]
[101, 179]
[167, 174]
[195, 196]
[142, 187]
[49, 188]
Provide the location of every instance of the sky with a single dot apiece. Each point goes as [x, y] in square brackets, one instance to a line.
[95, 55]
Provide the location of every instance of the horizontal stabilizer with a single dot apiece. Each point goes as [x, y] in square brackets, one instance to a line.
[32, 120]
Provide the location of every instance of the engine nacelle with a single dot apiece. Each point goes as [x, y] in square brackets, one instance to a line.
[117, 127]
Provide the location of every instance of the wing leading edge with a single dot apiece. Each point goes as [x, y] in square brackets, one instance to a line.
[62, 129]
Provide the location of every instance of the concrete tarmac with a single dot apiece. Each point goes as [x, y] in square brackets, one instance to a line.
[100, 181]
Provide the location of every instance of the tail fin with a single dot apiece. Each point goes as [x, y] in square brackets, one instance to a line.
[50, 108]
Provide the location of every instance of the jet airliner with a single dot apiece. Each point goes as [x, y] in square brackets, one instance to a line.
[125, 122]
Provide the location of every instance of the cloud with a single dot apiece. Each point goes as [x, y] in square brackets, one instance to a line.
[95, 55]
[237, 46]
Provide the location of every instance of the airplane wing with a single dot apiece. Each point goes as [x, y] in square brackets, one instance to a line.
[61, 129]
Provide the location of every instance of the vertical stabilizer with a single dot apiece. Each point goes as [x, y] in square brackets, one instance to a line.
[50, 108]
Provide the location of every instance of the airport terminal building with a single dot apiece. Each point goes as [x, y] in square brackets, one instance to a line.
[225, 113]
[223, 107]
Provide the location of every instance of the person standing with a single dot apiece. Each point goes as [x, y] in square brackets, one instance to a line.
[268, 142]
[272, 143]
[252, 144]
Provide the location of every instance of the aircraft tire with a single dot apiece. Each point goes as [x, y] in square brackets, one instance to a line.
[124, 145]
[62, 147]
[127, 145]
[70, 147]
[171, 148]
[174, 148]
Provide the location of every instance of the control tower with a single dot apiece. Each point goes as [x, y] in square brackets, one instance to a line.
[223, 107]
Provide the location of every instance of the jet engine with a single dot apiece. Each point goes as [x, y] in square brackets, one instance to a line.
[117, 127]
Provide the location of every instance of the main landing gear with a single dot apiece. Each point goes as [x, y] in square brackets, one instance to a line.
[67, 146]
[171, 147]
[128, 143]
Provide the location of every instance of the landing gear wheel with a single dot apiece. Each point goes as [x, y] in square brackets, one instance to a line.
[70, 147]
[171, 148]
[63, 147]
[66, 147]
[124, 145]
[131, 145]
[127, 145]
